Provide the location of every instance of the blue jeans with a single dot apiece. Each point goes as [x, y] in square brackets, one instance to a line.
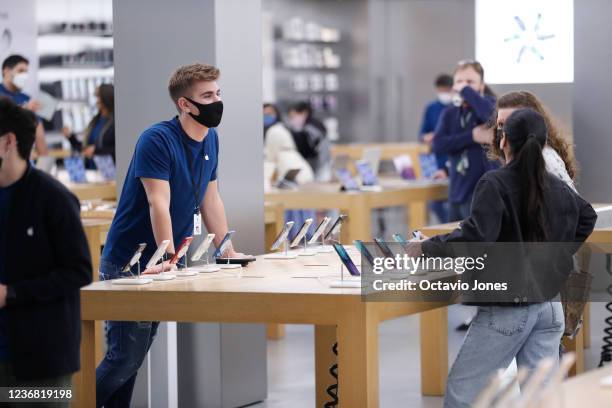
[440, 208]
[459, 211]
[496, 336]
[127, 346]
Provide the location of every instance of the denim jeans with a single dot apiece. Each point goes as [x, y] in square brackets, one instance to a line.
[440, 209]
[127, 346]
[459, 211]
[496, 336]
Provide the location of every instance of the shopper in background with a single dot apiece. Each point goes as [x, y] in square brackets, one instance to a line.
[311, 139]
[171, 182]
[99, 136]
[521, 202]
[461, 134]
[431, 116]
[44, 261]
[280, 149]
[15, 76]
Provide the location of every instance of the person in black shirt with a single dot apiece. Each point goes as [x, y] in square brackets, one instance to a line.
[520, 202]
[44, 261]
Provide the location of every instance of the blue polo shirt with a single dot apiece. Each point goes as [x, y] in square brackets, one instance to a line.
[5, 201]
[160, 154]
[431, 116]
[18, 97]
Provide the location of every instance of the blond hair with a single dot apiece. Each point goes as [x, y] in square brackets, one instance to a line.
[184, 77]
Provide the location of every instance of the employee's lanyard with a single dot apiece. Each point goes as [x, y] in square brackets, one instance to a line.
[465, 119]
[194, 185]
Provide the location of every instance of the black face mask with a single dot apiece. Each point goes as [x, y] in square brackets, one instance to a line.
[210, 114]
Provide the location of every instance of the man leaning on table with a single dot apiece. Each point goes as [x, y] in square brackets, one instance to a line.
[44, 261]
[171, 181]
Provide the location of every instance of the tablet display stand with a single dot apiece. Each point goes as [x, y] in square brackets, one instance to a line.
[163, 276]
[327, 249]
[346, 282]
[208, 268]
[306, 252]
[133, 281]
[284, 255]
[186, 272]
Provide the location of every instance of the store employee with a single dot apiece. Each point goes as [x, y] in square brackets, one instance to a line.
[171, 183]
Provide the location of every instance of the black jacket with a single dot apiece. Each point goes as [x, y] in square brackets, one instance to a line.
[495, 218]
[105, 143]
[49, 262]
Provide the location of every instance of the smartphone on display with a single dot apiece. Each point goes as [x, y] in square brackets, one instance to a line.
[368, 178]
[197, 255]
[399, 238]
[361, 247]
[336, 225]
[346, 260]
[384, 248]
[320, 229]
[135, 258]
[182, 250]
[301, 233]
[346, 180]
[282, 236]
[159, 252]
[418, 235]
[224, 243]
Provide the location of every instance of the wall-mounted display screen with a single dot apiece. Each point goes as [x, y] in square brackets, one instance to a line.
[525, 41]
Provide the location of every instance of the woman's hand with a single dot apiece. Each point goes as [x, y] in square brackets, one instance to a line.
[159, 268]
[89, 151]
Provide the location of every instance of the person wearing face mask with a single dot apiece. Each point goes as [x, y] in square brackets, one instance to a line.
[170, 187]
[99, 136]
[44, 261]
[431, 116]
[461, 134]
[15, 77]
[520, 202]
[311, 139]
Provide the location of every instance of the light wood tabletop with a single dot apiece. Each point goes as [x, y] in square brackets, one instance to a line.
[276, 291]
[585, 390]
[93, 191]
[395, 192]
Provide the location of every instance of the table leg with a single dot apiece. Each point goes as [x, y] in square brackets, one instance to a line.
[93, 232]
[358, 359]
[434, 351]
[359, 225]
[275, 331]
[577, 346]
[325, 337]
[85, 380]
[586, 325]
[417, 215]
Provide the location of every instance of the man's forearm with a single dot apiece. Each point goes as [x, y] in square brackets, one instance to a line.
[162, 225]
[215, 219]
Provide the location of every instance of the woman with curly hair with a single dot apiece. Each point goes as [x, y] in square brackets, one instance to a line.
[557, 152]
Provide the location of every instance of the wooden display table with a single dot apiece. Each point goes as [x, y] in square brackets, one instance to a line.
[585, 390]
[94, 191]
[411, 195]
[388, 151]
[271, 291]
[59, 153]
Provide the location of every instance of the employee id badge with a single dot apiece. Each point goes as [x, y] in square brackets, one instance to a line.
[197, 224]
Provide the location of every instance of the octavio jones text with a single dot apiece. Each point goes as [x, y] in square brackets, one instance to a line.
[413, 264]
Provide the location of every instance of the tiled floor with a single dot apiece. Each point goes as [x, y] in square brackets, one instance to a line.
[291, 362]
